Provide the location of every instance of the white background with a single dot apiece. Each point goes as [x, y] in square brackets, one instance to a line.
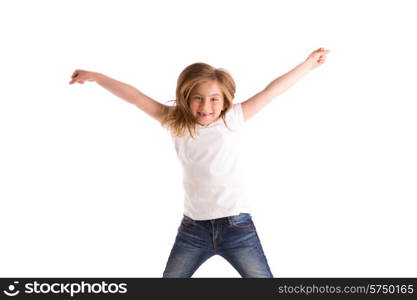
[91, 186]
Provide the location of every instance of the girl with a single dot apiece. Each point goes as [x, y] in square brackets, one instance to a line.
[204, 125]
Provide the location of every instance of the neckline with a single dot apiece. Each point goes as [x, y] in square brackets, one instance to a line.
[211, 124]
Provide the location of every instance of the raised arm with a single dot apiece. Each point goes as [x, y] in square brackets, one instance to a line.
[254, 104]
[122, 90]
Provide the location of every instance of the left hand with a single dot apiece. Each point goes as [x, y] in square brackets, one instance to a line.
[317, 58]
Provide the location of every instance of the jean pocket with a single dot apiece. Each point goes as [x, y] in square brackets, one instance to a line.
[242, 222]
[186, 221]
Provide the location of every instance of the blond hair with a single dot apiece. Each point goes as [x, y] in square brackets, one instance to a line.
[178, 118]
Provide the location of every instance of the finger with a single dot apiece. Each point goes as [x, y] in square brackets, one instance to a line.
[75, 74]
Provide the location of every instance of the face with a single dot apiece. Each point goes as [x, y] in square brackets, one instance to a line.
[206, 102]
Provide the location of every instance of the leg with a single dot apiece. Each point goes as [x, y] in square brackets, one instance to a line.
[242, 248]
[190, 250]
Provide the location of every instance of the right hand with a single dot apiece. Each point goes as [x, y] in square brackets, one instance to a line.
[82, 75]
[317, 58]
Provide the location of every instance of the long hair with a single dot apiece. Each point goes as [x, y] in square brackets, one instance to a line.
[179, 118]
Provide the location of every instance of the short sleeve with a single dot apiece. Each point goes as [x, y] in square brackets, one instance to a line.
[236, 118]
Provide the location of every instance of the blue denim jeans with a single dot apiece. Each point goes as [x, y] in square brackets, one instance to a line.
[234, 238]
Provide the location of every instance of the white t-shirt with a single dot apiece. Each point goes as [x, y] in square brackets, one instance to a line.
[211, 171]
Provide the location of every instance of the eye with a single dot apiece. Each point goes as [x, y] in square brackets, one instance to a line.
[215, 99]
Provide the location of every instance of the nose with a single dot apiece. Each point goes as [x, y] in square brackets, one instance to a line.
[205, 106]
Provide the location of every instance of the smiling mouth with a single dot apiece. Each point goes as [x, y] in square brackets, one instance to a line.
[203, 115]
